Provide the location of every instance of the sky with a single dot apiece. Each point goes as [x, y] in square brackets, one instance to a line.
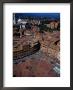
[48, 15]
